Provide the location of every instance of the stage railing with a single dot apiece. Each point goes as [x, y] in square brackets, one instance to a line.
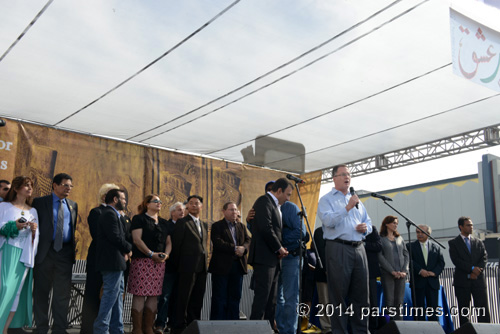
[446, 280]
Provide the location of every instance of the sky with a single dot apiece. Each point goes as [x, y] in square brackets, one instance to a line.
[439, 169]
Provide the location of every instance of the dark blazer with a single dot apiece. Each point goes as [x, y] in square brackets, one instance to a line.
[223, 247]
[435, 263]
[320, 273]
[189, 254]
[266, 233]
[44, 208]
[169, 264]
[373, 246]
[111, 243]
[92, 222]
[464, 261]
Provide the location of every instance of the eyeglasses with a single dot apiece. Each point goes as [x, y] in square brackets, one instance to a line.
[343, 174]
[155, 201]
[66, 185]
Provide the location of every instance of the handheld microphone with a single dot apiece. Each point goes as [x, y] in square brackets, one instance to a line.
[382, 197]
[294, 178]
[352, 193]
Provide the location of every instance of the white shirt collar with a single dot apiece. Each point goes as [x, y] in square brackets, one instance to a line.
[275, 199]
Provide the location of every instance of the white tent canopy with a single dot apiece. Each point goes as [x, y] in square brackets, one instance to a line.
[343, 80]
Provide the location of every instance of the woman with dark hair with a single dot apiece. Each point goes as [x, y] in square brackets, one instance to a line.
[18, 246]
[151, 248]
[393, 260]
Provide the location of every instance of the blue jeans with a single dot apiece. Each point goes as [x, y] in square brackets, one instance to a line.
[163, 300]
[226, 294]
[109, 318]
[288, 295]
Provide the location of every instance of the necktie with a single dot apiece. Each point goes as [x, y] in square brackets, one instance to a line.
[58, 240]
[198, 225]
[467, 243]
[233, 233]
[425, 252]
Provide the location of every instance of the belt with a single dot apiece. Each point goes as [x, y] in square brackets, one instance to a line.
[295, 252]
[350, 243]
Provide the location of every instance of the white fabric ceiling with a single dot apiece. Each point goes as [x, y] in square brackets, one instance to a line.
[383, 85]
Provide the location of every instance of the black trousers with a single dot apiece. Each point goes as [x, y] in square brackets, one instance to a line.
[427, 296]
[265, 289]
[53, 273]
[191, 290]
[91, 300]
[479, 294]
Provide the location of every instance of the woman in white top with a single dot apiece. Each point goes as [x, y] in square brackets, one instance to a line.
[18, 245]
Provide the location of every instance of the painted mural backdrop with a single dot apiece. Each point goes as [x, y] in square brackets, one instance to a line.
[42, 152]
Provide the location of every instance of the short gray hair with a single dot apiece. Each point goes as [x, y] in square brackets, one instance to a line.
[429, 229]
[175, 205]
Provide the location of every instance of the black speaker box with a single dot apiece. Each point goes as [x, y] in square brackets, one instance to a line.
[470, 328]
[411, 327]
[229, 326]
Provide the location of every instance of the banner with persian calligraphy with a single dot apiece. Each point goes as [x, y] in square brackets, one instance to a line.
[475, 50]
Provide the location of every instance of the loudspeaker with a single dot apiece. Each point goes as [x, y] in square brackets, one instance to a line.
[411, 327]
[470, 328]
[229, 326]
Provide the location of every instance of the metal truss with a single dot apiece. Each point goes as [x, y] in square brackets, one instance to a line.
[461, 143]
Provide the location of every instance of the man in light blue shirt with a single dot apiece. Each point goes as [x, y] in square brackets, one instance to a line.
[345, 225]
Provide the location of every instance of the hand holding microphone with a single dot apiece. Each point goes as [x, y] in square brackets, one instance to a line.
[354, 197]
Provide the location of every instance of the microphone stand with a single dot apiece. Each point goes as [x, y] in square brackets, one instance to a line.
[409, 223]
[303, 213]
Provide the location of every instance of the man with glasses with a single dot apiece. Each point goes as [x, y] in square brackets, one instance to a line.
[56, 254]
[4, 189]
[345, 225]
[113, 252]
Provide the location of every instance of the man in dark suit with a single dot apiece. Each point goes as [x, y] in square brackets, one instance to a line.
[251, 212]
[469, 256]
[228, 264]
[266, 250]
[428, 263]
[113, 251]
[373, 246]
[166, 302]
[189, 255]
[320, 278]
[93, 282]
[56, 254]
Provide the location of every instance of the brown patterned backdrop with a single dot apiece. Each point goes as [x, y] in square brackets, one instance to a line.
[41, 152]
